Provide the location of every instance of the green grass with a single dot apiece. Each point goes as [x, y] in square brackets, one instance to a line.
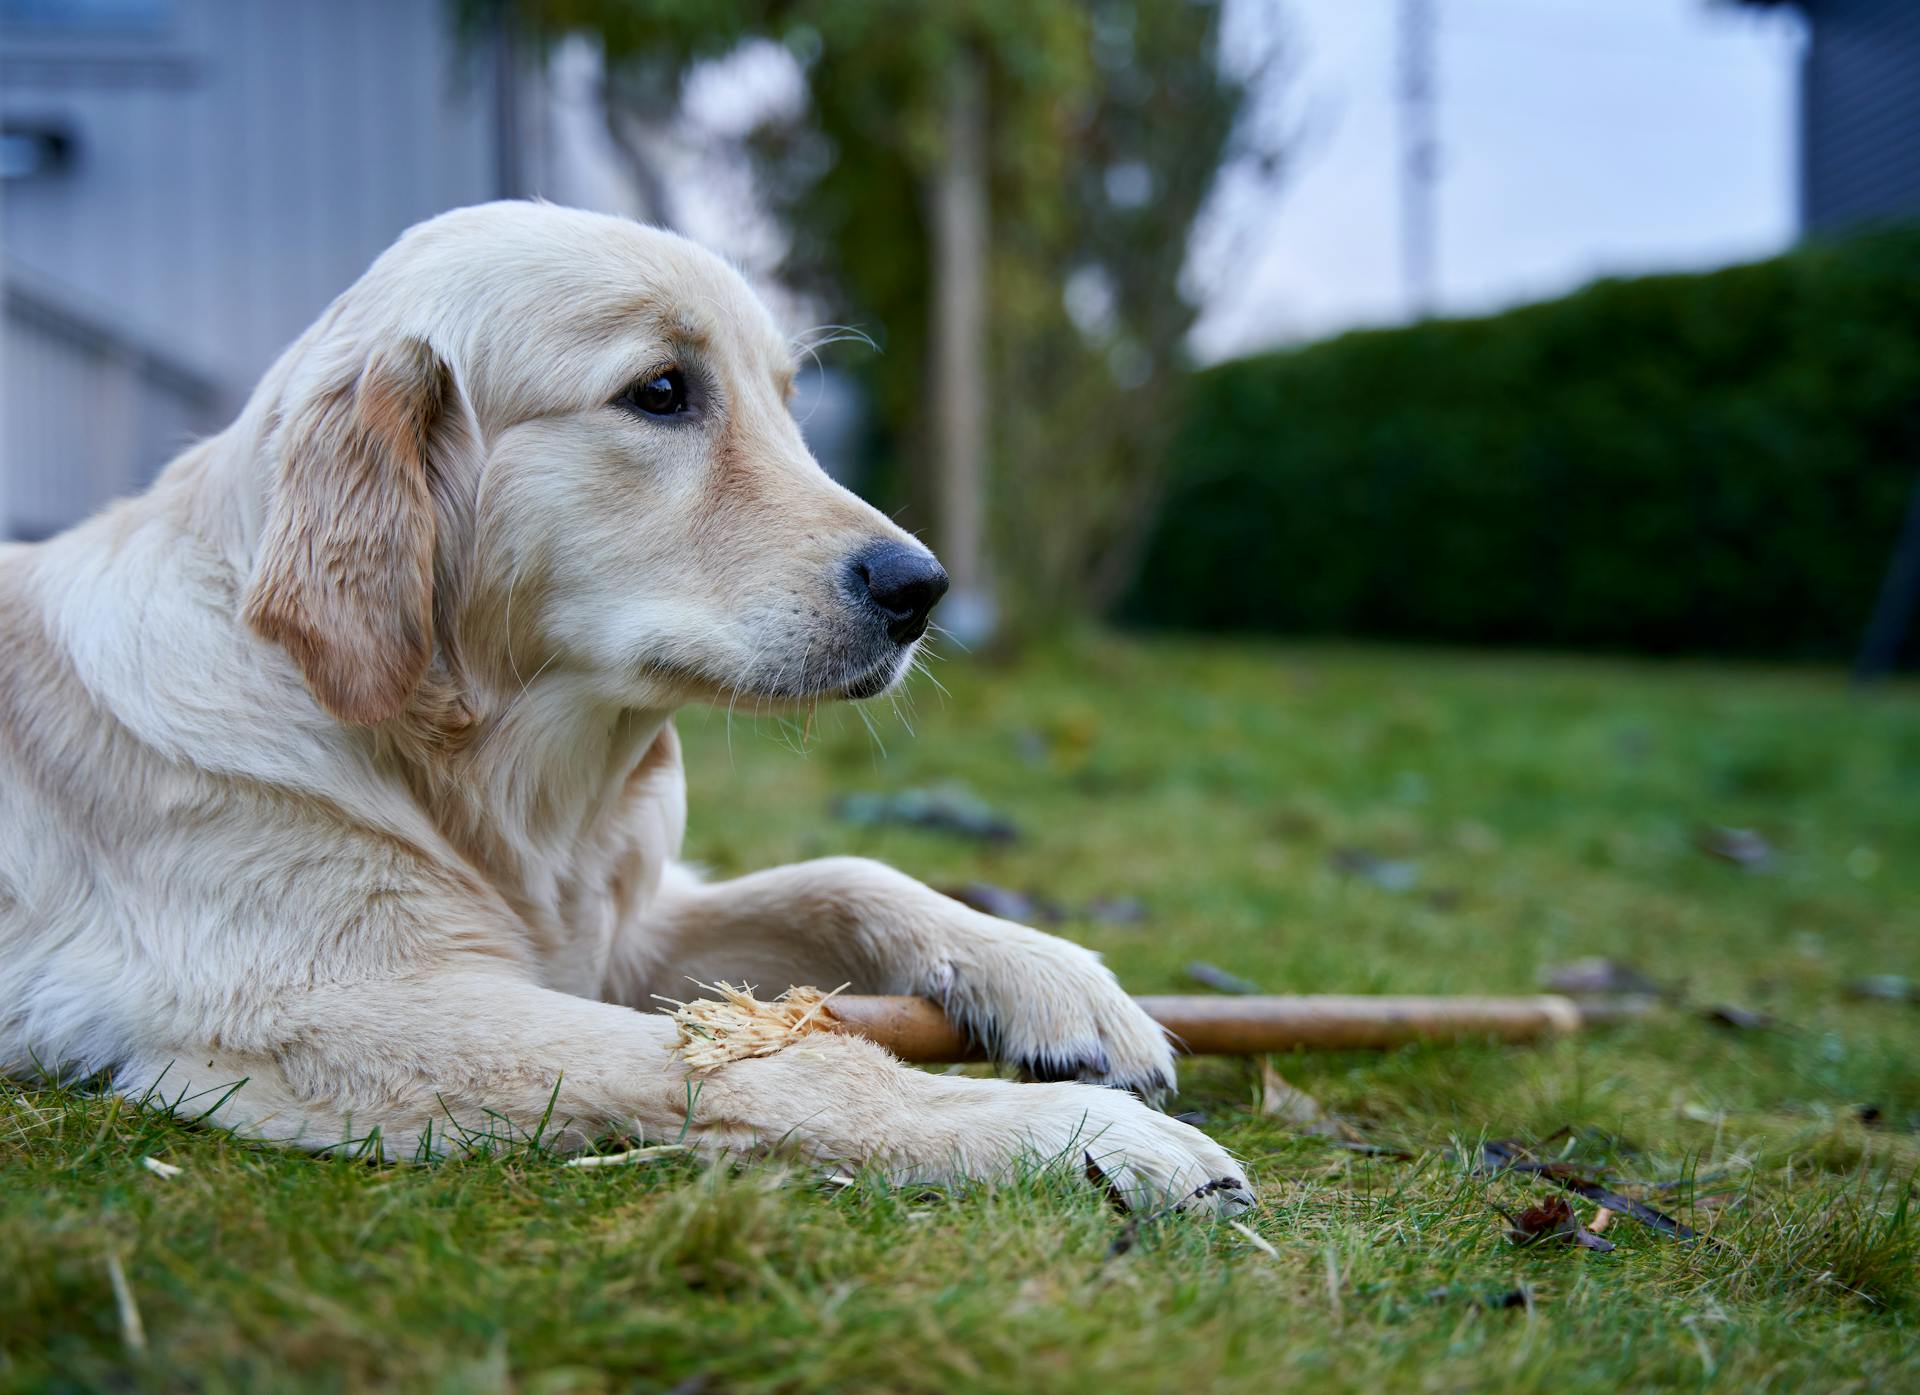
[1552, 808]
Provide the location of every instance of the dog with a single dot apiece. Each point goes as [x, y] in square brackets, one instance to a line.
[340, 801]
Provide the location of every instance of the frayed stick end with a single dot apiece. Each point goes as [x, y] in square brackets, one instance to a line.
[737, 1025]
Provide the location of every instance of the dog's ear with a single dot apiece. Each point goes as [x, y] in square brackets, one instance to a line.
[344, 576]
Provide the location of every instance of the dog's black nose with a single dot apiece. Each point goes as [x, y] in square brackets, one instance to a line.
[905, 582]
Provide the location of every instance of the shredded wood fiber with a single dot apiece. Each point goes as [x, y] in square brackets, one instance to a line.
[738, 1025]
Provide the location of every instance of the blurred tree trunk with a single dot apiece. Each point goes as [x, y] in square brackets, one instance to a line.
[958, 364]
[638, 101]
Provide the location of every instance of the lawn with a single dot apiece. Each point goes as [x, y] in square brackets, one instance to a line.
[1545, 809]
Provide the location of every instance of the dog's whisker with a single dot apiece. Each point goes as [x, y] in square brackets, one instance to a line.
[835, 334]
[873, 732]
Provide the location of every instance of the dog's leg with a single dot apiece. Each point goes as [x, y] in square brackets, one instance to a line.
[1033, 1000]
[422, 1065]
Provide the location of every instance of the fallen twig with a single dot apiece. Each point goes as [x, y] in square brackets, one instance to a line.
[916, 1029]
[1501, 1157]
[1255, 1239]
[632, 1155]
[133, 1332]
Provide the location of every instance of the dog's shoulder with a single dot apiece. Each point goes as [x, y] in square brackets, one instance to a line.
[152, 747]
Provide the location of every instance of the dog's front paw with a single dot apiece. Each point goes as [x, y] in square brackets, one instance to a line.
[1054, 1010]
[1149, 1161]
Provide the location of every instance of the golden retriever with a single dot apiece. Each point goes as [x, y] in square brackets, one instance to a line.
[339, 794]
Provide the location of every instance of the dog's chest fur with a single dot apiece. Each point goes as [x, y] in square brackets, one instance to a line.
[579, 861]
[174, 851]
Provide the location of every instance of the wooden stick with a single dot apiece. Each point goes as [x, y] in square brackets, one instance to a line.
[916, 1030]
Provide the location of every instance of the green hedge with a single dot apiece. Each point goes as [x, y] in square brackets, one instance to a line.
[1713, 463]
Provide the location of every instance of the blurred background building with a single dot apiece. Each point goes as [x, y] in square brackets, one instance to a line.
[187, 183]
[1859, 111]
[1039, 237]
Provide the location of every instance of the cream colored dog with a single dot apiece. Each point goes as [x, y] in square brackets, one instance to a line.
[339, 797]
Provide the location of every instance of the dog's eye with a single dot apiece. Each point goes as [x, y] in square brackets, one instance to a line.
[662, 395]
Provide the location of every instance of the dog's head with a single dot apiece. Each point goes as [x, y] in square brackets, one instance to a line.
[537, 440]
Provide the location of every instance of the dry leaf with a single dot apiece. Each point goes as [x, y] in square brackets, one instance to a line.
[1006, 903]
[1884, 988]
[1387, 873]
[1214, 977]
[1116, 910]
[1596, 975]
[1520, 1297]
[1284, 1101]
[1552, 1221]
[1497, 1157]
[1743, 847]
[941, 809]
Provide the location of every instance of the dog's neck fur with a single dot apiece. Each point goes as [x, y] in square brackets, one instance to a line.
[535, 799]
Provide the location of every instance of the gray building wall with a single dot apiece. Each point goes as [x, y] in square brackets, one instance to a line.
[234, 165]
[1860, 113]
